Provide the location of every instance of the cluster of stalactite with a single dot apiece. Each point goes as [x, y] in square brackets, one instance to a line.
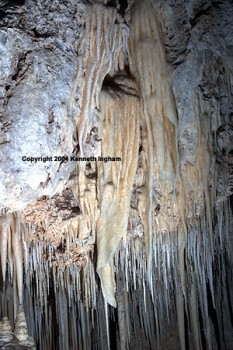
[163, 246]
[68, 300]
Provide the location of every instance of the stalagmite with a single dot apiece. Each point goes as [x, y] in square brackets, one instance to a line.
[6, 334]
[21, 329]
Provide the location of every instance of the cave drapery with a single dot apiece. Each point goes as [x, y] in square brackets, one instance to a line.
[122, 237]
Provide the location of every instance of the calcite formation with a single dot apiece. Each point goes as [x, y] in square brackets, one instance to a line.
[116, 174]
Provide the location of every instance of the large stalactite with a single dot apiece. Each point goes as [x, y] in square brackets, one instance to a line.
[126, 240]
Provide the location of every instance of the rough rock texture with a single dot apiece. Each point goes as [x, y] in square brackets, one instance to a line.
[150, 82]
[39, 55]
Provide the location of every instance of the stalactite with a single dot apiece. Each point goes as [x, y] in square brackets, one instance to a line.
[72, 294]
[11, 247]
[158, 116]
[4, 234]
[121, 132]
[17, 251]
[105, 41]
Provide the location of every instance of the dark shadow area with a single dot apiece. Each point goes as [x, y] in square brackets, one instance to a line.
[113, 322]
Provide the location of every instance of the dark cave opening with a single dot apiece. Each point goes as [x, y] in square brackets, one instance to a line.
[52, 302]
[113, 322]
[202, 331]
[213, 316]
[17, 2]
[229, 291]
[121, 5]
[186, 331]
[2, 14]
[9, 3]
